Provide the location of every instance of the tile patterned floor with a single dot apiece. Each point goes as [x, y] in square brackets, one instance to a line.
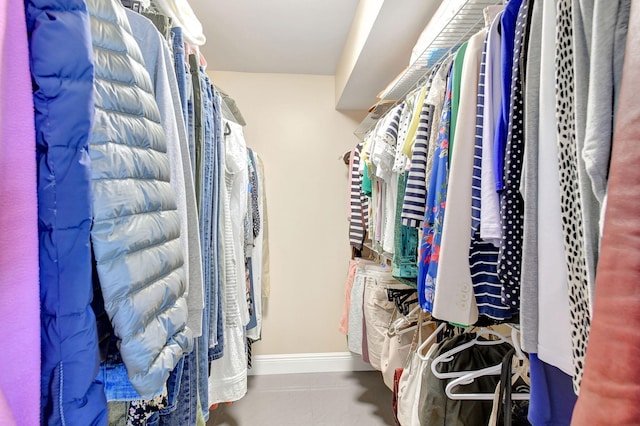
[325, 399]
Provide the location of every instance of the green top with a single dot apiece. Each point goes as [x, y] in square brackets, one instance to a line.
[455, 94]
[366, 181]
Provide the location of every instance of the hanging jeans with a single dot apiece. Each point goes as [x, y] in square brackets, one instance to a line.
[216, 346]
[186, 406]
[206, 161]
[185, 88]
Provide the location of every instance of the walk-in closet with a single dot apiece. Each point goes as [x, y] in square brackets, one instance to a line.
[319, 212]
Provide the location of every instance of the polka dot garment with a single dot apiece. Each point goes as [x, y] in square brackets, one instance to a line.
[570, 201]
[400, 161]
[511, 202]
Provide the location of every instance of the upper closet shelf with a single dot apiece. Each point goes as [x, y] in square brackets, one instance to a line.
[452, 24]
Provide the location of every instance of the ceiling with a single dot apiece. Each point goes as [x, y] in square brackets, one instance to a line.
[275, 36]
[365, 43]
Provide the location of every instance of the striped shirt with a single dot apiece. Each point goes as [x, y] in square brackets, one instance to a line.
[415, 196]
[416, 190]
[483, 256]
[358, 203]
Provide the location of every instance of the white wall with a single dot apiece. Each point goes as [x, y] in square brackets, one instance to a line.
[292, 123]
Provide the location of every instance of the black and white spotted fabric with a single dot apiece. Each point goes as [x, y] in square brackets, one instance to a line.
[511, 202]
[570, 200]
[253, 182]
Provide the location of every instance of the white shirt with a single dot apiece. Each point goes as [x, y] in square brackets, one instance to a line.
[490, 229]
[554, 331]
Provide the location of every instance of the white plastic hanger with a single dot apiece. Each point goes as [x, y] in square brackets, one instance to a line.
[521, 367]
[449, 355]
[428, 341]
[396, 326]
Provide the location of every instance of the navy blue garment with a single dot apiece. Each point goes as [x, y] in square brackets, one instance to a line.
[483, 256]
[62, 72]
[552, 396]
[511, 201]
[508, 28]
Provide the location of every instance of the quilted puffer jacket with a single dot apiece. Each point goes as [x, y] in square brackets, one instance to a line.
[136, 228]
[62, 73]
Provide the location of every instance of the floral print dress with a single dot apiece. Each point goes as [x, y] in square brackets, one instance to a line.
[435, 207]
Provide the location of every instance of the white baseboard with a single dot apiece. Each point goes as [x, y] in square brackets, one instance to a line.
[326, 362]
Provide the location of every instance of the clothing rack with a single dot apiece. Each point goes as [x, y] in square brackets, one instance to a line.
[467, 20]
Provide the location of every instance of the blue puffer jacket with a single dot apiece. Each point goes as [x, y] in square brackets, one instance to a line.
[62, 72]
[136, 228]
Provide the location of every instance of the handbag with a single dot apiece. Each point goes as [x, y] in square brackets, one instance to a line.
[398, 346]
[410, 384]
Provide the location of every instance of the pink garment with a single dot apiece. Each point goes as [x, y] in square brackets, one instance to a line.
[19, 284]
[344, 319]
[610, 390]
[6, 418]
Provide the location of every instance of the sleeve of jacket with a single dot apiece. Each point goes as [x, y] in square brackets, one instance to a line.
[63, 99]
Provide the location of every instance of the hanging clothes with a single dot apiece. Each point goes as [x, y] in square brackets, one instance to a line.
[454, 300]
[552, 397]
[554, 332]
[490, 227]
[458, 63]
[609, 391]
[508, 29]
[434, 210]
[435, 408]
[570, 197]
[405, 259]
[511, 203]
[529, 185]
[19, 284]
[158, 63]
[136, 195]
[69, 390]
[357, 224]
[483, 256]
[416, 189]
[228, 375]
[436, 97]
